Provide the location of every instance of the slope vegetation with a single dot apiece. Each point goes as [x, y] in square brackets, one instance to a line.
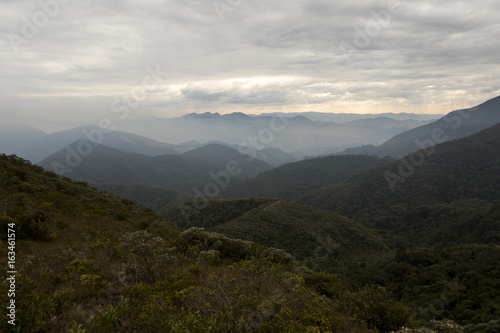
[105, 165]
[88, 261]
[293, 180]
[467, 168]
[325, 240]
[455, 125]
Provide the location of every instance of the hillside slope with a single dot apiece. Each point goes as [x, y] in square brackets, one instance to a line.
[220, 153]
[87, 261]
[467, 168]
[153, 197]
[325, 240]
[105, 165]
[293, 180]
[455, 125]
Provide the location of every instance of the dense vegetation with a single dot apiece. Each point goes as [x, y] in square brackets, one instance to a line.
[467, 168]
[442, 220]
[294, 179]
[323, 240]
[183, 173]
[421, 244]
[455, 125]
[149, 196]
[88, 261]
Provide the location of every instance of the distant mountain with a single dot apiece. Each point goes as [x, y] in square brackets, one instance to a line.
[294, 133]
[127, 142]
[467, 168]
[273, 156]
[105, 165]
[350, 117]
[220, 153]
[293, 180]
[455, 125]
[14, 138]
[294, 227]
[386, 122]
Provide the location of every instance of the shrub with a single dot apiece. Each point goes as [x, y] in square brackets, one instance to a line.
[235, 249]
[81, 266]
[94, 283]
[152, 260]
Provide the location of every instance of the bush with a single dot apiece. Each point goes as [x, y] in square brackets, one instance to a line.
[235, 249]
[151, 259]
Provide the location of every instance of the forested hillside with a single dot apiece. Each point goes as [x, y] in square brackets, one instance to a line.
[467, 168]
[88, 261]
[293, 180]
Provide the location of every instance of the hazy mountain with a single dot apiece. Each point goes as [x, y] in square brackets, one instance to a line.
[273, 156]
[14, 138]
[219, 153]
[466, 168]
[293, 180]
[295, 134]
[455, 125]
[349, 117]
[107, 165]
[127, 142]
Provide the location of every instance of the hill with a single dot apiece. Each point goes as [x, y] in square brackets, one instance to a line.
[153, 197]
[37, 150]
[467, 168]
[105, 165]
[216, 153]
[326, 241]
[455, 125]
[15, 138]
[88, 261]
[293, 180]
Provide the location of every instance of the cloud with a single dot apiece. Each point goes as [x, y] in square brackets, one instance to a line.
[261, 54]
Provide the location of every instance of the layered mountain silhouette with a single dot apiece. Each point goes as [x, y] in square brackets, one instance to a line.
[105, 165]
[37, 147]
[467, 168]
[455, 125]
[292, 133]
[293, 180]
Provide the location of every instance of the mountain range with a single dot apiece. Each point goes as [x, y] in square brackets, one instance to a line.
[293, 134]
[466, 168]
[454, 125]
[181, 172]
[412, 241]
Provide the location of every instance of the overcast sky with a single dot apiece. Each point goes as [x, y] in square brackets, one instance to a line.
[69, 61]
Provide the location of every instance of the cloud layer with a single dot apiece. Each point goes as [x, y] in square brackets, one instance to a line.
[66, 61]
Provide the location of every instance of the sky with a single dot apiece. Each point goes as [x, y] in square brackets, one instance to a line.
[64, 62]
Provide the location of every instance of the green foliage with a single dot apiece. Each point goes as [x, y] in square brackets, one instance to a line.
[468, 168]
[293, 180]
[325, 240]
[94, 283]
[151, 260]
[109, 265]
[81, 266]
[375, 308]
[235, 249]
